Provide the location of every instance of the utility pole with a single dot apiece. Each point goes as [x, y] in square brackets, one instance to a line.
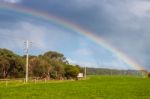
[85, 72]
[27, 59]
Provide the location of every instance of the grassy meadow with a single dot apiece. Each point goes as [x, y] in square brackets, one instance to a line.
[95, 87]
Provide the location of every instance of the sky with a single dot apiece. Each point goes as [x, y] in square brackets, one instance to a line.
[122, 23]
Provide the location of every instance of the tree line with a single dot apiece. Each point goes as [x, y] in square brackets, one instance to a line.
[106, 71]
[51, 65]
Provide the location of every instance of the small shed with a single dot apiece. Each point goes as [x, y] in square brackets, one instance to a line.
[80, 76]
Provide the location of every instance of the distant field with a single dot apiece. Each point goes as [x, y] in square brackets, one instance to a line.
[95, 87]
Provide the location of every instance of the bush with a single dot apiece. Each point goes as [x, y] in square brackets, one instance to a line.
[148, 75]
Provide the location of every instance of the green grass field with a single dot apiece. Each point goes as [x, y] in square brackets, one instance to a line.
[95, 87]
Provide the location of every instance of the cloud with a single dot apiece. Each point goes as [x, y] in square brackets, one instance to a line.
[140, 8]
[123, 23]
[82, 63]
[84, 51]
[71, 61]
[14, 37]
[12, 1]
[115, 63]
[43, 36]
[130, 32]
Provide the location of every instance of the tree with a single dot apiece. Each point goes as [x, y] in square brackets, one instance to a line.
[10, 64]
[17, 67]
[71, 71]
[55, 56]
[148, 75]
[57, 61]
[4, 64]
[51, 64]
[40, 68]
[57, 70]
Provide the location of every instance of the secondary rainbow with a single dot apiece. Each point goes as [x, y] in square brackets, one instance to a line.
[73, 27]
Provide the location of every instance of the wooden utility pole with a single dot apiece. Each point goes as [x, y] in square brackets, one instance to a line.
[85, 72]
[27, 59]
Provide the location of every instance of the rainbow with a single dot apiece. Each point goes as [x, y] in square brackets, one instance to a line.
[73, 27]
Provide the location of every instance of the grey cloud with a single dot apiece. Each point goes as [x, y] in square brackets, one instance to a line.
[124, 23]
[118, 22]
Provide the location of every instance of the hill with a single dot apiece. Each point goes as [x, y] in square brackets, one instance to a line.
[105, 71]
